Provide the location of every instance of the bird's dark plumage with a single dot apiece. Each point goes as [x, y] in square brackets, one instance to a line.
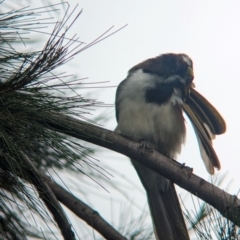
[149, 105]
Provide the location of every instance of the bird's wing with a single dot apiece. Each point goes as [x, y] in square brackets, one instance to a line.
[204, 137]
[206, 112]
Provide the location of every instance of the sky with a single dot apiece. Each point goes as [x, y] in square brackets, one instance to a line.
[207, 31]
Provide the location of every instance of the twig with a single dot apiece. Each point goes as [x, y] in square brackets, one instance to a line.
[83, 211]
[49, 199]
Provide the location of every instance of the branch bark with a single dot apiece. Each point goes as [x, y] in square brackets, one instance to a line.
[228, 205]
[83, 211]
[49, 199]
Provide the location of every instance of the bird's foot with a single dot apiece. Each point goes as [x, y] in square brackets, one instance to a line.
[187, 170]
[182, 165]
[190, 172]
[144, 146]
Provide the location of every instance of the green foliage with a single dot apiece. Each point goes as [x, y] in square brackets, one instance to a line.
[30, 88]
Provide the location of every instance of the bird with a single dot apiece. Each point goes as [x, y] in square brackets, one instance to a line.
[149, 105]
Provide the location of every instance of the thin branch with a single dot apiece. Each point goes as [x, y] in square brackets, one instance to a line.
[228, 205]
[83, 211]
[49, 199]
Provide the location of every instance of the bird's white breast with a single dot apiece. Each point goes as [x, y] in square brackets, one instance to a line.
[160, 125]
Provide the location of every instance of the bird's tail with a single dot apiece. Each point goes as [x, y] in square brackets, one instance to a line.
[164, 205]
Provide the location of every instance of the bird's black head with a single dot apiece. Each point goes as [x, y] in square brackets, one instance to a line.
[168, 65]
[173, 73]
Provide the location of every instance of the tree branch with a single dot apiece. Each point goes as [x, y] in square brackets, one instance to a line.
[83, 211]
[228, 205]
[49, 199]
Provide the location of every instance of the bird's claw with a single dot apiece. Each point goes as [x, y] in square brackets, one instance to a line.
[144, 146]
[182, 165]
[189, 172]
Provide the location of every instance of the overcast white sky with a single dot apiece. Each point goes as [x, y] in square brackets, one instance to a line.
[208, 31]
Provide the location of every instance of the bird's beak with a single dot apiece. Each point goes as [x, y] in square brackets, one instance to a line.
[190, 74]
[187, 92]
[189, 83]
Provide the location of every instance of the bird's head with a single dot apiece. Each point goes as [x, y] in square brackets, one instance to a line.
[173, 73]
[167, 65]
